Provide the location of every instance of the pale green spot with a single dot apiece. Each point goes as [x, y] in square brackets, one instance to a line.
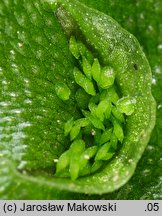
[73, 46]
[126, 105]
[107, 77]
[68, 126]
[84, 82]
[62, 91]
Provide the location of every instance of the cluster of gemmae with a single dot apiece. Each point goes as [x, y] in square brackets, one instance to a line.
[99, 133]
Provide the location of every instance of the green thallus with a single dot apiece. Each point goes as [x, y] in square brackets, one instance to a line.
[99, 133]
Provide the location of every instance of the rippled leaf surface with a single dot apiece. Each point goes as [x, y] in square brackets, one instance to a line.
[34, 56]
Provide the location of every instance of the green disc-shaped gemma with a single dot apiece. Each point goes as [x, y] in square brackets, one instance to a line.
[68, 126]
[73, 46]
[107, 77]
[96, 70]
[63, 162]
[126, 105]
[87, 155]
[102, 152]
[86, 68]
[78, 146]
[83, 81]
[62, 91]
[82, 98]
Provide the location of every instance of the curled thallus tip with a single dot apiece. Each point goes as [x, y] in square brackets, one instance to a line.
[110, 72]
